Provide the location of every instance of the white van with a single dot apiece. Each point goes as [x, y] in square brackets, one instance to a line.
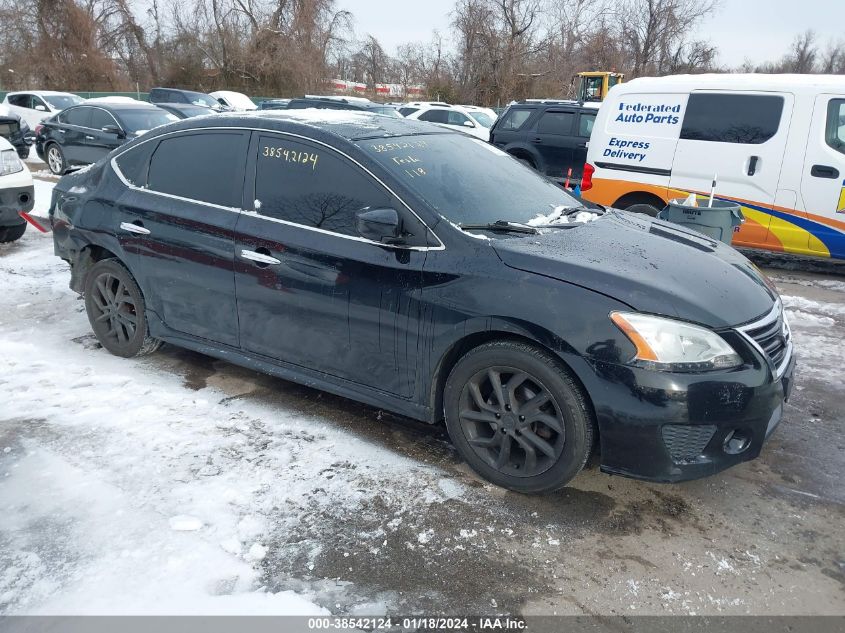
[774, 143]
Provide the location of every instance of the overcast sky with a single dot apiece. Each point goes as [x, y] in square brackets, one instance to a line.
[758, 30]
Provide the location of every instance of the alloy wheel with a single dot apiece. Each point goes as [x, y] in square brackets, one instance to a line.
[114, 308]
[54, 160]
[512, 421]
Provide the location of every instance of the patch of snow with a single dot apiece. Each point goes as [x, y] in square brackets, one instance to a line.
[185, 523]
[557, 217]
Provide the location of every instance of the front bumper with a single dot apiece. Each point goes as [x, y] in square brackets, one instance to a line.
[13, 200]
[668, 427]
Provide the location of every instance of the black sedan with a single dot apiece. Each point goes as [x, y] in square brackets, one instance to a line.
[185, 110]
[428, 273]
[15, 130]
[84, 134]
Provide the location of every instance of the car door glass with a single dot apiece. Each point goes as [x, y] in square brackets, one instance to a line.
[313, 186]
[435, 116]
[553, 122]
[21, 101]
[585, 125]
[456, 118]
[38, 101]
[100, 119]
[80, 116]
[514, 119]
[204, 166]
[732, 118]
[835, 127]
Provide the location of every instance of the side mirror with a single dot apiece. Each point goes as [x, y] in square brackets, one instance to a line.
[113, 129]
[40, 108]
[468, 124]
[379, 225]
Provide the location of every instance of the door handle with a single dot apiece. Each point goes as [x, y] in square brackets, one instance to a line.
[134, 228]
[537, 140]
[58, 129]
[752, 165]
[89, 138]
[260, 258]
[824, 171]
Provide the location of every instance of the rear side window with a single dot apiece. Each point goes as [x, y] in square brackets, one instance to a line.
[835, 126]
[21, 101]
[556, 123]
[732, 118]
[514, 119]
[313, 186]
[207, 167]
[135, 163]
[77, 116]
[585, 124]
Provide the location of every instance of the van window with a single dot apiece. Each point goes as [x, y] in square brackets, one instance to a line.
[556, 123]
[207, 167]
[514, 119]
[835, 127]
[732, 118]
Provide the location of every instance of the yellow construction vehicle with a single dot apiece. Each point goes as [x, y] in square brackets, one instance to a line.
[593, 85]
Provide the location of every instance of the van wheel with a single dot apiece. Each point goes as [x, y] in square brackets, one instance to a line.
[518, 417]
[12, 233]
[56, 159]
[116, 311]
[644, 209]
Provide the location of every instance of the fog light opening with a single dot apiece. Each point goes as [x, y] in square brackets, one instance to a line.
[736, 442]
[23, 198]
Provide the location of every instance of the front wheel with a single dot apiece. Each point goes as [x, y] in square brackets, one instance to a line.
[116, 311]
[518, 417]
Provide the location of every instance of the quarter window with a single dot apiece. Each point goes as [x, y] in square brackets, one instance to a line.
[514, 119]
[556, 123]
[135, 163]
[313, 186]
[732, 118]
[207, 167]
[835, 127]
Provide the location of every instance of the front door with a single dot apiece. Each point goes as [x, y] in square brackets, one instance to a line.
[554, 139]
[823, 177]
[98, 143]
[738, 138]
[183, 222]
[311, 291]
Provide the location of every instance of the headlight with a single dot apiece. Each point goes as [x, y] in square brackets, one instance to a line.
[9, 162]
[669, 345]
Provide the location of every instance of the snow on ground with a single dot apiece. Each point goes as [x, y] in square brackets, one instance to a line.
[123, 491]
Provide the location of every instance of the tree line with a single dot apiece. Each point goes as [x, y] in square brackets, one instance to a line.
[494, 50]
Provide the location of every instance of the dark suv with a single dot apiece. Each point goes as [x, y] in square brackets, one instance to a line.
[549, 136]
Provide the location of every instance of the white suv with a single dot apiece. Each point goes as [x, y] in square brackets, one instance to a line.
[454, 117]
[16, 193]
[36, 105]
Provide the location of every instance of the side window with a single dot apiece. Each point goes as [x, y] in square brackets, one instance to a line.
[585, 124]
[407, 111]
[435, 116]
[100, 119]
[155, 96]
[835, 126]
[38, 101]
[80, 116]
[556, 123]
[514, 119]
[206, 166]
[21, 101]
[134, 164]
[732, 118]
[313, 186]
[456, 118]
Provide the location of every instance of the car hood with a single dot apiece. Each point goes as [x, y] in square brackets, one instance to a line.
[650, 265]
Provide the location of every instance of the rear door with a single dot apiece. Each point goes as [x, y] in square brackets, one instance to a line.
[311, 291]
[74, 127]
[823, 176]
[554, 138]
[739, 138]
[182, 223]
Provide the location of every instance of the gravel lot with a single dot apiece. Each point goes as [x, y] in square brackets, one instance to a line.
[181, 484]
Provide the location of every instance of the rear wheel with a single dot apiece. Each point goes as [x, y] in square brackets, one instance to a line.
[116, 311]
[56, 159]
[12, 233]
[518, 417]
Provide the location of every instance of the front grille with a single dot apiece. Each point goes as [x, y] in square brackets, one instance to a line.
[772, 337]
[685, 443]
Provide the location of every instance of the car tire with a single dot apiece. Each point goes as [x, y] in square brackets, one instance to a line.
[644, 209]
[531, 434]
[116, 310]
[56, 159]
[12, 233]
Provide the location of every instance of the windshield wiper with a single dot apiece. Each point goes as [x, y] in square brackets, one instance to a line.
[500, 225]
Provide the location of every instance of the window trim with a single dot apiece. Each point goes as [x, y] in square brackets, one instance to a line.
[116, 170]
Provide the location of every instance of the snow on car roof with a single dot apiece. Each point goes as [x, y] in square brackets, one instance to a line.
[735, 80]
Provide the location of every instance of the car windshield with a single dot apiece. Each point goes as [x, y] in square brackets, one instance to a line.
[60, 102]
[136, 121]
[482, 119]
[467, 180]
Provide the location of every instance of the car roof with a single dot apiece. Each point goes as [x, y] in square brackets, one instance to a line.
[117, 105]
[734, 81]
[351, 125]
[41, 93]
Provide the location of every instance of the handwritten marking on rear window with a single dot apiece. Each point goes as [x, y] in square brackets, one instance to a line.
[416, 172]
[291, 155]
[398, 146]
[405, 160]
